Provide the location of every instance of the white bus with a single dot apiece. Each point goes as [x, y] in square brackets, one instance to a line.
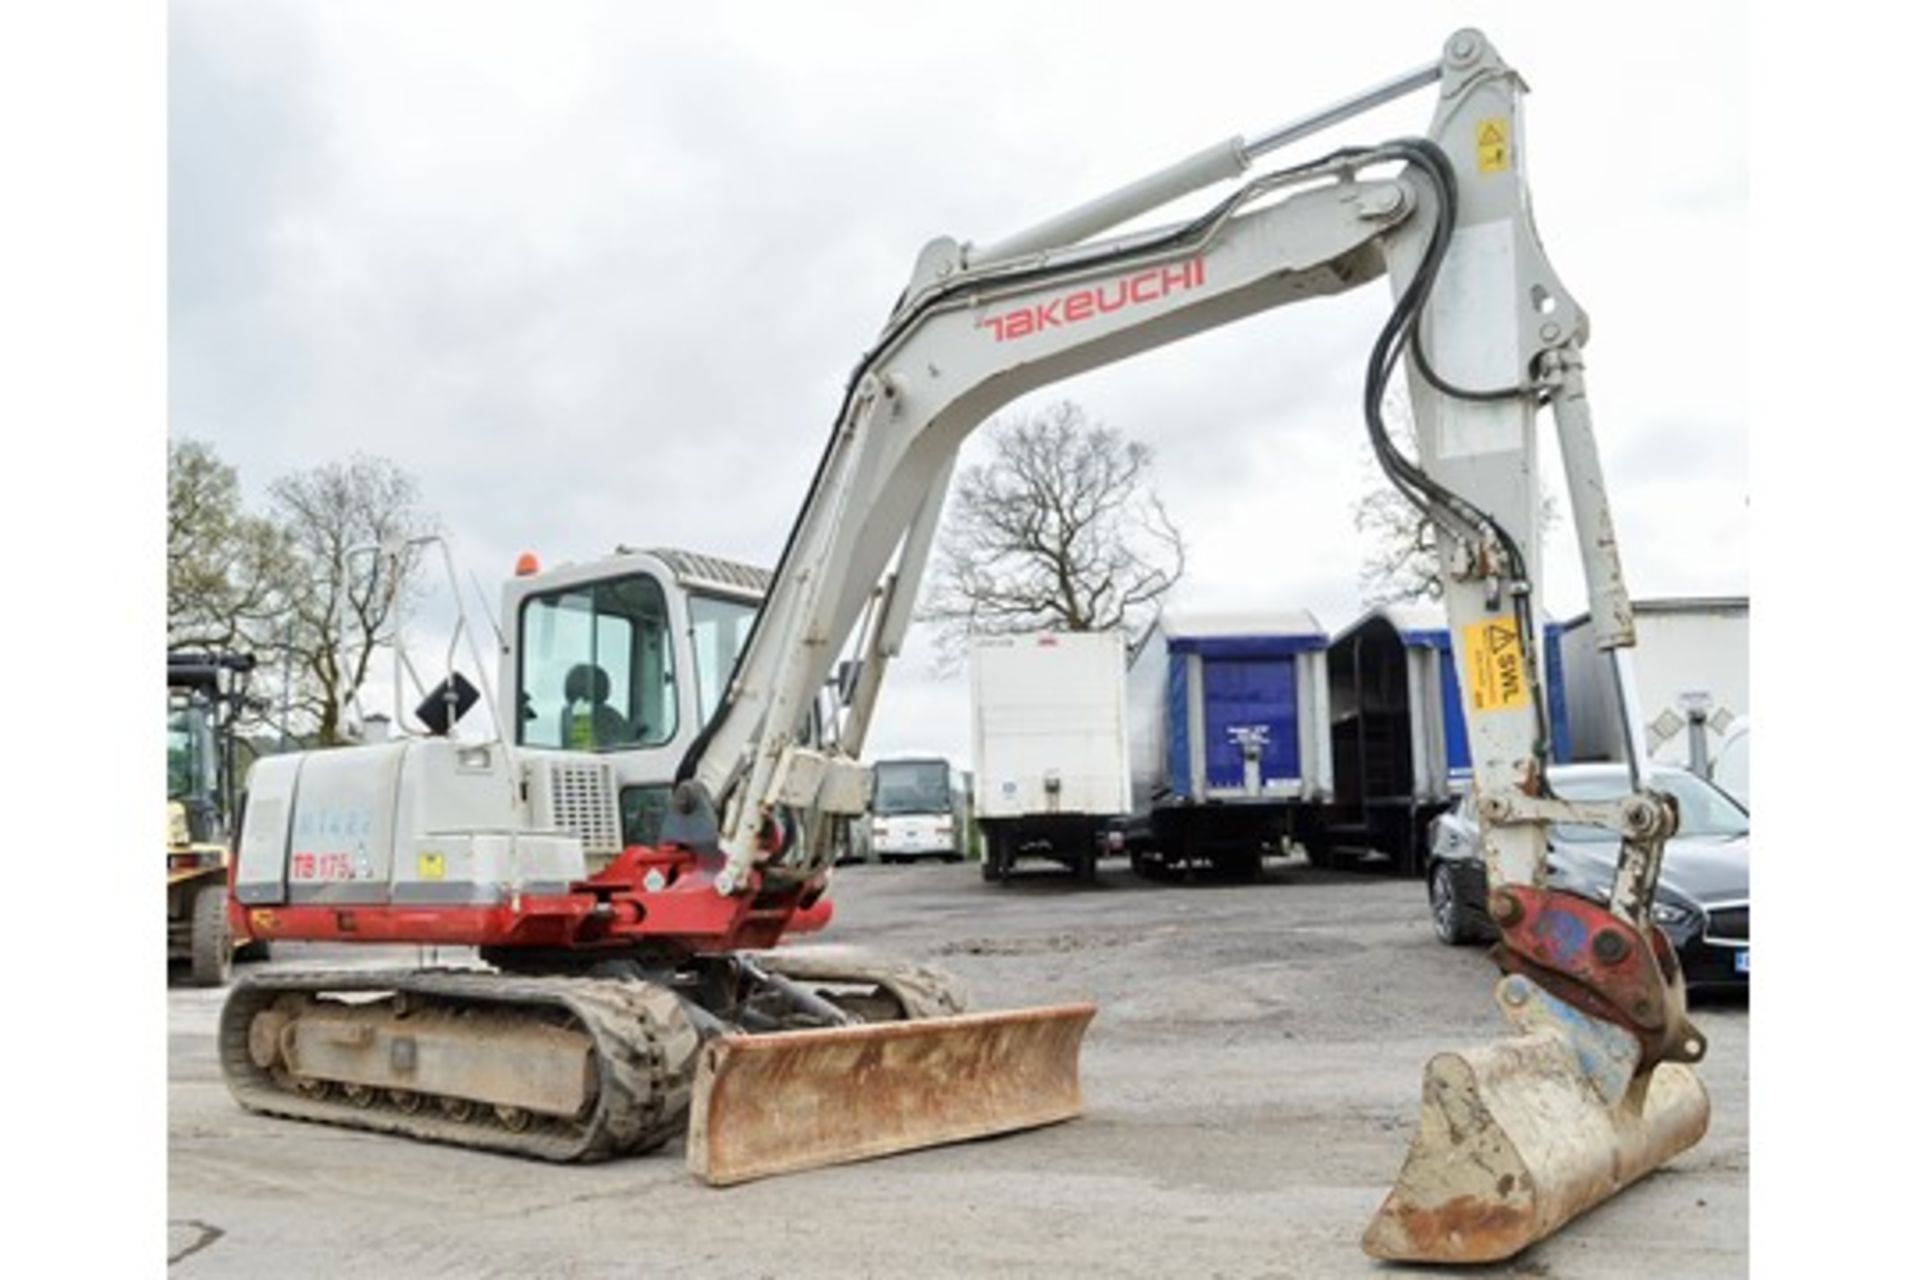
[918, 811]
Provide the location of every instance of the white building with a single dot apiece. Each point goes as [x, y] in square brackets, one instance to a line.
[1691, 669]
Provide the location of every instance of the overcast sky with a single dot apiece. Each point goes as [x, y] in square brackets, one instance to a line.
[595, 273]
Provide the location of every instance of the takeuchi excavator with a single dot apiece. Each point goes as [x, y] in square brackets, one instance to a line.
[636, 990]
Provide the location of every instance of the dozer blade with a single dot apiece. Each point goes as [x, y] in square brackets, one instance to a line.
[1518, 1137]
[766, 1104]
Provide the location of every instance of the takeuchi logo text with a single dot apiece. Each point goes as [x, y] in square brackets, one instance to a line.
[1097, 300]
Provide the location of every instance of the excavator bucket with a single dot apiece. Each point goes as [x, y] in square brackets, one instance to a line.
[767, 1104]
[1519, 1137]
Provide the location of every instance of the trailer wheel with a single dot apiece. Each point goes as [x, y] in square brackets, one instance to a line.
[1239, 866]
[990, 868]
[1012, 840]
[1149, 866]
[212, 947]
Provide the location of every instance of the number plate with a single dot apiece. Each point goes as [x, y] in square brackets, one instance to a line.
[1740, 961]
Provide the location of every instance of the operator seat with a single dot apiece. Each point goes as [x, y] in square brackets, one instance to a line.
[588, 721]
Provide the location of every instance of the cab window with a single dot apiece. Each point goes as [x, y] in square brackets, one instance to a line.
[719, 631]
[596, 667]
[190, 754]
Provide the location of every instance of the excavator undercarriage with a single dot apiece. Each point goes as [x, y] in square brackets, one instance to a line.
[554, 1068]
[579, 1068]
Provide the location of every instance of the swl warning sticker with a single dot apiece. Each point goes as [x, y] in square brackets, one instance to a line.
[1496, 675]
[433, 866]
[1490, 144]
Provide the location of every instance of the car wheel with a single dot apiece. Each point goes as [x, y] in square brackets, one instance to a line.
[1450, 913]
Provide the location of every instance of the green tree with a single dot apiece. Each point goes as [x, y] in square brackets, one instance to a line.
[227, 570]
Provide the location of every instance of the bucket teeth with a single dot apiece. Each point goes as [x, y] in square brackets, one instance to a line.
[1518, 1137]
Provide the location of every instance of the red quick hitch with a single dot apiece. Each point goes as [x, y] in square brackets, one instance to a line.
[1590, 958]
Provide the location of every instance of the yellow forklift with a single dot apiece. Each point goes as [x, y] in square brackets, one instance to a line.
[205, 694]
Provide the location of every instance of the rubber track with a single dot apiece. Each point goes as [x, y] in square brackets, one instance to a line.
[643, 1048]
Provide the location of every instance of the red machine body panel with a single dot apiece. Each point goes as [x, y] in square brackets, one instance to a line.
[646, 895]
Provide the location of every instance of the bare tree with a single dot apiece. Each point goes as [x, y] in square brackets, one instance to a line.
[226, 570]
[290, 587]
[342, 605]
[1056, 531]
[1404, 560]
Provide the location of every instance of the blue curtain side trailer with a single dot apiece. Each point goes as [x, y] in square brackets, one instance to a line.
[1227, 726]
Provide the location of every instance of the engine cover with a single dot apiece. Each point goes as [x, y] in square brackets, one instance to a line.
[417, 821]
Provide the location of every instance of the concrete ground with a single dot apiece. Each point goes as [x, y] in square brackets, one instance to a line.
[1251, 1084]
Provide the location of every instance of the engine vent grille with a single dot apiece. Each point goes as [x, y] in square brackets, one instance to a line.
[582, 799]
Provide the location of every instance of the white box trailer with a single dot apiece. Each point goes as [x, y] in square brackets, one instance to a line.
[1049, 746]
[1691, 669]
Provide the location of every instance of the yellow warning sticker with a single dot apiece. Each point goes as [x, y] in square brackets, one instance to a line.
[1490, 142]
[1496, 675]
[433, 866]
